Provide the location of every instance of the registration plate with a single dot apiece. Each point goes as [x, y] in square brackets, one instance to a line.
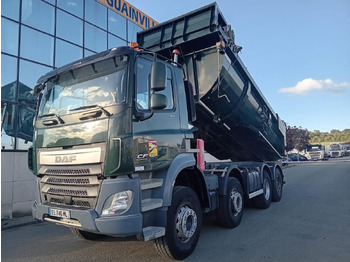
[59, 213]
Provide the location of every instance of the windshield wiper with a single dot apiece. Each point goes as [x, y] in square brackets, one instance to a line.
[56, 115]
[93, 106]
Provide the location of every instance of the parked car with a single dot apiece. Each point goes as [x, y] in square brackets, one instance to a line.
[285, 160]
[297, 157]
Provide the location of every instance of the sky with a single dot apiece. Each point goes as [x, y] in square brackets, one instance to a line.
[298, 53]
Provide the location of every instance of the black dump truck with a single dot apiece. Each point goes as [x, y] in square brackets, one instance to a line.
[120, 136]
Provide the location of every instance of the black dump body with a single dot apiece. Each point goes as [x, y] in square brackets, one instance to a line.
[232, 115]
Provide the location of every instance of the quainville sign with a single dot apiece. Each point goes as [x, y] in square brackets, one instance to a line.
[129, 12]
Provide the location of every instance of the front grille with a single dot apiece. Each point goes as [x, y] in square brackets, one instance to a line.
[73, 188]
[76, 181]
[76, 202]
[84, 171]
[335, 154]
[68, 192]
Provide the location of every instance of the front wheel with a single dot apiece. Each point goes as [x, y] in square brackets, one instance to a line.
[231, 205]
[263, 201]
[183, 225]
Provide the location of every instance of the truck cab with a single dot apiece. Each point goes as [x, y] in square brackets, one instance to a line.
[98, 122]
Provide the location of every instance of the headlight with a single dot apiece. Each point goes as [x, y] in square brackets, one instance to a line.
[118, 203]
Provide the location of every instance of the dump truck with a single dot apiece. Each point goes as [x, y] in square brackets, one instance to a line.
[120, 136]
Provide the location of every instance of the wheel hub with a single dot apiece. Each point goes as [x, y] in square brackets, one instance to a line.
[186, 223]
[236, 202]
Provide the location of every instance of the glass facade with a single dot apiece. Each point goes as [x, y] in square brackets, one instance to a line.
[40, 35]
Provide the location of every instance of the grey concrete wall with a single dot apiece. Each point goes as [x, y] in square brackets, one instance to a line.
[18, 185]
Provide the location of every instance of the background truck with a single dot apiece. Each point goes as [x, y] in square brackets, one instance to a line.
[336, 150]
[119, 137]
[316, 152]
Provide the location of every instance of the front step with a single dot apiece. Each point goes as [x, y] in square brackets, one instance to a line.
[151, 183]
[150, 233]
[151, 203]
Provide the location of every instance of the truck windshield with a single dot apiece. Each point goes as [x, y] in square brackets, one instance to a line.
[335, 147]
[99, 84]
[314, 148]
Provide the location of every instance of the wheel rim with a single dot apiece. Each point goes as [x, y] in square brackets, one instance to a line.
[267, 189]
[236, 202]
[186, 223]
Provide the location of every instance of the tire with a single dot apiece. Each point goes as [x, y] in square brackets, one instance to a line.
[263, 201]
[277, 186]
[84, 234]
[183, 225]
[231, 205]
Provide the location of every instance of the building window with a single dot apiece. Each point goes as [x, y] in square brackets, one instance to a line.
[74, 7]
[116, 24]
[8, 78]
[66, 53]
[114, 41]
[88, 53]
[7, 125]
[38, 14]
[132, 31]
[10, 9]
[9, 36]
[36, 46]
[29, 73]
[69, 28]
[95, 39]
[96, 14]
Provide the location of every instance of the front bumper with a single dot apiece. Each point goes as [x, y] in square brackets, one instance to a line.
[129, 223]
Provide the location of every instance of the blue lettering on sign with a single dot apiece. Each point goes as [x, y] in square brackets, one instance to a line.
[142, 19]
[135, 15]
[125, 9]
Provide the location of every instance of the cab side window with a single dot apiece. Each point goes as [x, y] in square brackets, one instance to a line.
[143, 77]
[143, 73]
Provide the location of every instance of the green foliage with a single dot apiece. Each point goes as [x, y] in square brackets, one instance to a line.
[326, 138]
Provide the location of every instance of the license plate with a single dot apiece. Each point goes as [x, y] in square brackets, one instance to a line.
[59, 213]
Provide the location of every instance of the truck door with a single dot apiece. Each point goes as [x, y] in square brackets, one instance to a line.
[157, 140]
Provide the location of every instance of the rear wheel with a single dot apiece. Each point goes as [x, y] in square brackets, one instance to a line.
[277, 186]
[231, 205]
[263, 201]
[183, 225]
[84, 234]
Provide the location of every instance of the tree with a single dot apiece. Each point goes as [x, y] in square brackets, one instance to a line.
[297, 138]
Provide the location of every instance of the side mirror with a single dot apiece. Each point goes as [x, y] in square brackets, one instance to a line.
[38, 88]
[158, 76]
[158, 101]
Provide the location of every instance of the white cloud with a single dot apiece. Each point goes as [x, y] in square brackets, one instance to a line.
[311, 85]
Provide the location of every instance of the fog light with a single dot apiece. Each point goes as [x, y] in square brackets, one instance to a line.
[118, 203]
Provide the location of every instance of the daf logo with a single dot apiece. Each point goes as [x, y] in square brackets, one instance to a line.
[65, 159]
